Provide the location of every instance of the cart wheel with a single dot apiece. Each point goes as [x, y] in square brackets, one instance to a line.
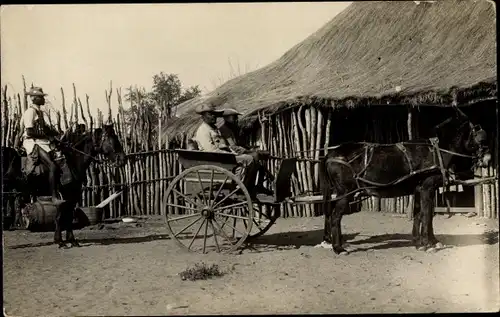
[263, 221]
[215, 214]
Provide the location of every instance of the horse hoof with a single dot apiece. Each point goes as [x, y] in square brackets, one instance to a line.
[62, 245]
[75, 244]
[421, 248]
[324, 245]
[340, 251]
[439, 245]
[431, 250]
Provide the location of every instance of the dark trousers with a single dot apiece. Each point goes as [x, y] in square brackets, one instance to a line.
[52, 168]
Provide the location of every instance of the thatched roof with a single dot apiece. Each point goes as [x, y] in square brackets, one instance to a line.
[372, 53]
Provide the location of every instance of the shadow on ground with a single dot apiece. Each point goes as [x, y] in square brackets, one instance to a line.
[296, 239]
[102, 241]
[382, 241]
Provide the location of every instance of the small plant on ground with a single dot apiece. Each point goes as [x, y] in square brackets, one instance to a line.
[201, 271]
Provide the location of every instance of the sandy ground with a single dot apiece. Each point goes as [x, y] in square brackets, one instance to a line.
[132, 269]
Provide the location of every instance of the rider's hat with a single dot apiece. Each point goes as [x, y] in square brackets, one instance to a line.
[208, 107]
[230, 112]
[36, 91]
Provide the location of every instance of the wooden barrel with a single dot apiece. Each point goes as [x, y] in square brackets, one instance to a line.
[42, 215]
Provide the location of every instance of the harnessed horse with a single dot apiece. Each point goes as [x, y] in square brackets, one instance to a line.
[416, 167]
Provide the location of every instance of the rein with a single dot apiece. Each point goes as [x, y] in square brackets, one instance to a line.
[95, 159]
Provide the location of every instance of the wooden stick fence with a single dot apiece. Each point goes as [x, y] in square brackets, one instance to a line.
[151, 164]
[304, 132]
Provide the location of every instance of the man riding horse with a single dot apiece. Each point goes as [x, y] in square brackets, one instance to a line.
[39, 139]
[72, 156]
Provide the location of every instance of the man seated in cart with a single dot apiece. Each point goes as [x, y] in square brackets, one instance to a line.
[229, 130]
[209, 138]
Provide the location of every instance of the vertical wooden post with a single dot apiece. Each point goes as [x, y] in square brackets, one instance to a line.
[478, 195]
[409, 125]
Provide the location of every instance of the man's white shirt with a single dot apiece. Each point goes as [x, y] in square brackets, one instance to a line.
[28, 121]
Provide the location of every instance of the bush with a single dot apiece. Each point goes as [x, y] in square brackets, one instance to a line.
[201, 271]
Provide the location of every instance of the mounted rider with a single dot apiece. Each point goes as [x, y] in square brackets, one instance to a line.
[39, 139]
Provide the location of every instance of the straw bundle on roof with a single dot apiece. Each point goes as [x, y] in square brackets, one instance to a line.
[372, 53]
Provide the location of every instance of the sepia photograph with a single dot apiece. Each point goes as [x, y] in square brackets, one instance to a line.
[249, 158]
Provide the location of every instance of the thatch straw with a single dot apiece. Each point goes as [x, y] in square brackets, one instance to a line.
[435, 52]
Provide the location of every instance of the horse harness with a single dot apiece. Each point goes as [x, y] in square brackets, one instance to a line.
[84, 138]
[368, 156]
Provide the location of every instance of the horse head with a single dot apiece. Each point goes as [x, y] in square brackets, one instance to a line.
[99, 141]
[108, 144]
[464, 137]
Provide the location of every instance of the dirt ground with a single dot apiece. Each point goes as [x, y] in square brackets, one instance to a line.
[132, 269]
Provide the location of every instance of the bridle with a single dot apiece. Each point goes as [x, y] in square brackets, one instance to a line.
[98, 148]
[473, 133]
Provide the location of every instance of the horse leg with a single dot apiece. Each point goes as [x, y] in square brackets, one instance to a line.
[68, 223]
[327, 211]
[417, 221]
[427, 204]
[68, 214]
[58, 231]
[336, 233]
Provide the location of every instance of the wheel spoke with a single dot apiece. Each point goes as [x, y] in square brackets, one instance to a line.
[201, 188]
[219, 190]
[197, 231]
[222, 231]
[186, 197]
[232, 216]
[211, 185]
[179, 206]
[188, 226]
[225, 221]
[215, 236]
[182, 217]
[231, 206]
[231, 194]
[205, 236]
[234, 229]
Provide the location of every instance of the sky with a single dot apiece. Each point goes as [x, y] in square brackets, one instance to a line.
[89, 45]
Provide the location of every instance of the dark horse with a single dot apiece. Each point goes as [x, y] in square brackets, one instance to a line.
[11, 183]
[416, 167]
[79, 149]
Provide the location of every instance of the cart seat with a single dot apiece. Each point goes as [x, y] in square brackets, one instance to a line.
[190, 158]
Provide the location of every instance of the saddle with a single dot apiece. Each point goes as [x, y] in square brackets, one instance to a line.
[32, 167]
